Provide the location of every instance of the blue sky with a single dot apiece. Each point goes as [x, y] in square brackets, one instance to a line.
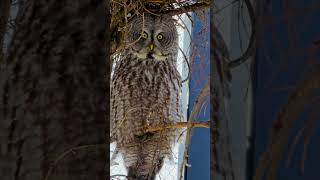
[199, 150]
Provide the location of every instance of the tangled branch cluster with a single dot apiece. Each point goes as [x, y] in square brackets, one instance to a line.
[123, 11]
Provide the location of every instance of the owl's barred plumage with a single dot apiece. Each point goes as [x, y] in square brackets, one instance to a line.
[145, 91]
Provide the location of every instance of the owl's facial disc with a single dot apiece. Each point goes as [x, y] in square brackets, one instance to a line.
[150, 51]
[155, 53]
[153, 37]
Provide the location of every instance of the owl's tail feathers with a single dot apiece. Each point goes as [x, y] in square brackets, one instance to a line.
[133, 174]
[143, 173]
[113, 157]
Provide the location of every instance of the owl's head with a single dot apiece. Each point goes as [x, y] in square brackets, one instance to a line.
[153, 36]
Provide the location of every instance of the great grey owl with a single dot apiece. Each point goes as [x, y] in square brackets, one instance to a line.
[145, 92]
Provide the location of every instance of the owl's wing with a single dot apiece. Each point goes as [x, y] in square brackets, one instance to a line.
[112, 119]
[220, 90]
[113, 96]
[112, 123]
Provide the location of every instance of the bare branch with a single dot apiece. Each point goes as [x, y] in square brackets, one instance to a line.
[188, 64]
[203, 93]
[284, 124]
[251, 47]
[121, 10]
[186, 9]
[204, 124]
[68, 152]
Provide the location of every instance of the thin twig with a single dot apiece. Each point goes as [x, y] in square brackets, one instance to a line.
[71, 150]
[251, 47]
[118, 175]
[285, 122]
[187, 62]
[203, 93]
[219, 10]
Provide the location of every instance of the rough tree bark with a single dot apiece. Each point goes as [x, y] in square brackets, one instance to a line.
[54, 92]
[4, 16]
[222, 160]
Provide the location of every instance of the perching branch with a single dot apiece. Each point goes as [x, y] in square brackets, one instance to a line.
[204, 124]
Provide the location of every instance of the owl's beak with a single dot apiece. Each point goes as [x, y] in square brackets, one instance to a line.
[151, 46]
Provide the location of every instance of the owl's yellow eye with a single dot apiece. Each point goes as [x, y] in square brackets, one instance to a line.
[160, 36]
[144, 35]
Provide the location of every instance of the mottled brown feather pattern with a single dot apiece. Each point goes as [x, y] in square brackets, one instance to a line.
[145, 92]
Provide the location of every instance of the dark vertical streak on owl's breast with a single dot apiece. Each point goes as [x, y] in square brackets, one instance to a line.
[172, 82]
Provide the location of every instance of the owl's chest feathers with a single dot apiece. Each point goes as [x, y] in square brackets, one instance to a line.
[146, 92]
[147, 84]
[147, 75]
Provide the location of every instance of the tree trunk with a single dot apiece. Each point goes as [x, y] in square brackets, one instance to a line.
[4, 16]
[222, 159]
[54, 92]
